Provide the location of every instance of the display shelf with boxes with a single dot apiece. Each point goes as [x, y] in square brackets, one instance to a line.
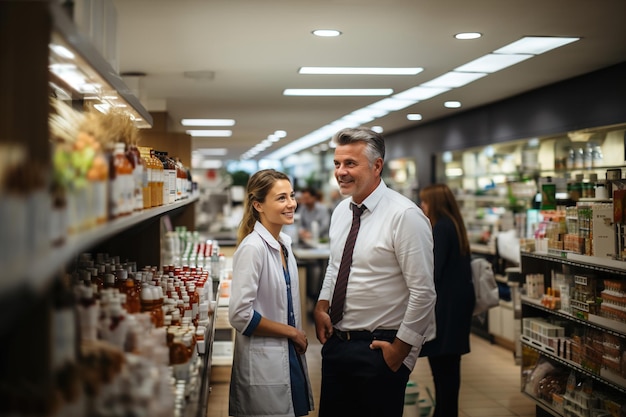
[573, 333]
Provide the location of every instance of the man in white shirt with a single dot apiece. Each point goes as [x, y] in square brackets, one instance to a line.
[371, 344]
[312, 210]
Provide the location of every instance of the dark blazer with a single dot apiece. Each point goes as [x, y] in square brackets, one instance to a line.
[455, 293]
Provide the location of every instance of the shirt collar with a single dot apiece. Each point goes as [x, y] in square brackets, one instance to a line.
[372, 200]
[271, 241]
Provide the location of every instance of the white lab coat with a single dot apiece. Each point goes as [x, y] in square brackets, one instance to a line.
[260, 381]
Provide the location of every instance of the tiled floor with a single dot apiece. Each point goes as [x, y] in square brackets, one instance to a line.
[490, 382]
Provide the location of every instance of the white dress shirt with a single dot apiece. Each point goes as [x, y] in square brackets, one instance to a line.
[391, 283]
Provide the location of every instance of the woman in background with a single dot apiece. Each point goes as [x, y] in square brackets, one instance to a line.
[455, 296]
[269, 374]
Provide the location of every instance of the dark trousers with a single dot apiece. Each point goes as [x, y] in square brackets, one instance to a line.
[446, 372]
[356, 381]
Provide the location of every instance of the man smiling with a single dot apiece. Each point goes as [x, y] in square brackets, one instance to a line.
[376, 306]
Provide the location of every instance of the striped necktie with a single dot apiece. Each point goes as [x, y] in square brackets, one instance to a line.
[339, 295]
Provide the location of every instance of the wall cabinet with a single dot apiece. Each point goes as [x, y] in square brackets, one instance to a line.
[574, 346]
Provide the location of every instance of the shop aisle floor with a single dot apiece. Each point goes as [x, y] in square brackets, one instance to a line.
[490, 383]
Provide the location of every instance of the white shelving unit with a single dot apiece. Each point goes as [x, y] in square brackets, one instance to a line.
[586, 366]
[224, 340]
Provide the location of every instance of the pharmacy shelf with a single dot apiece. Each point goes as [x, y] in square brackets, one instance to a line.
[603, 324]
[36, 271]
[574, 259]
[544, 263]
[606, 377]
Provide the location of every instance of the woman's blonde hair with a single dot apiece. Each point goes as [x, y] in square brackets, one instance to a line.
[259, 184]
[441, 203]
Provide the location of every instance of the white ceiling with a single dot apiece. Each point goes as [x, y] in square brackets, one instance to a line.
[254, 49]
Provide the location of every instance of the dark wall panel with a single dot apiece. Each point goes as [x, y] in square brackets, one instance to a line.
[592, 100]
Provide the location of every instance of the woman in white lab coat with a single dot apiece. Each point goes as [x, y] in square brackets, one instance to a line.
[269, 374]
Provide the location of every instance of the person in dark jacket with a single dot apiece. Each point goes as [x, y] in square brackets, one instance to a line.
[455, 296]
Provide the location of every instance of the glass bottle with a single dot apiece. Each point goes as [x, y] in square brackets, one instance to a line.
[159, 174]
[133, 302]
[597, 157]
[97, 176]
[147, 181]
[215, 262]
[166, 183]
[134, 156]
[173, 177]
[121, 183]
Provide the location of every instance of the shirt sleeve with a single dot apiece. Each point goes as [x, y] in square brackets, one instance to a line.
[254, 323]
[247, 265]
[414, 250]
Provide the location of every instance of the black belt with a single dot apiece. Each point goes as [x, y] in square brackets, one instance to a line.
[387, 335]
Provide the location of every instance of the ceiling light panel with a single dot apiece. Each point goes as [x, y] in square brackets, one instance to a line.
[454, 79]
[207, 122]
[337, 91]
[369, 112]
[392, 104]
[452, 104]
[210, 133]
[326, 33]
[420, 93]
[535, 45]
[359, 71]
[492, 62]
[468, 35]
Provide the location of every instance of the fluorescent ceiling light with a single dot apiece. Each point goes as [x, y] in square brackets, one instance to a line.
[320, 135]
[370, 112]
[212, 151]
[420, 93]
[468, 35]
[452, 104]
[210, 133]
[535, 45]
[378, 129]
[492, 63]
[339, 124]
[360, 71]
[337, 91]
[280, 133]
[358, 118]
[326, 33]
[207, 122]
[414, 116]
[454, 79]
[392, 104]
